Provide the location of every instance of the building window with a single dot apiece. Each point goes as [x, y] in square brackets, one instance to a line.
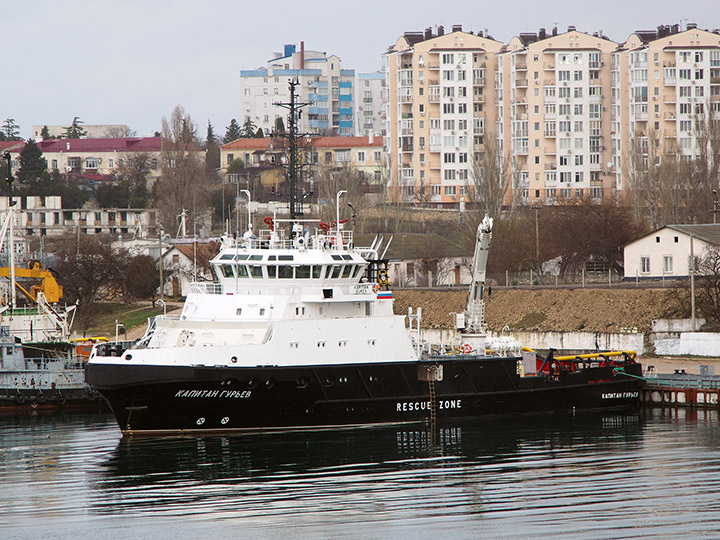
[644, 265]
[667, 264]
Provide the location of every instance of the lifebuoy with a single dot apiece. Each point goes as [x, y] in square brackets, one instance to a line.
[19, 398]
[467, 348]
[382, 277]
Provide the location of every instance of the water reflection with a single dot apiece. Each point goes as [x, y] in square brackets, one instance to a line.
[637, 475]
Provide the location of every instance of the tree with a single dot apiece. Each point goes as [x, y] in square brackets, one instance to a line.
[140, 279]
[491, 174]
[32, 164]
[212, 150]
[75, 130]
[10, 130]
[88, 266]
[57, 184]
[131, 177]
[248, 129]
[119, 132]
[279, 125]
[183, 184]
[328, 180]
[707, 293]
[232, 132]
[45, 134]
[259, 134]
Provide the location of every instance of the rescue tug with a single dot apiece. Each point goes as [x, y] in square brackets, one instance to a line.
[298, 332]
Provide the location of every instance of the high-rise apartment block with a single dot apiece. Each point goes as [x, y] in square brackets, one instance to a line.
[371, 99]
[327, 88]
[563, 108]
[666, 84]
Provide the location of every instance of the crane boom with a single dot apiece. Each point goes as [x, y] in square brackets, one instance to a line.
[475, 310]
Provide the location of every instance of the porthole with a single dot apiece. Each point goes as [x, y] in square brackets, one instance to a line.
[269, 383]
[225, 420]
[253, 383]
[327, 381]
[302, 382]
[128, 357]
[234, 359]
[200, 421]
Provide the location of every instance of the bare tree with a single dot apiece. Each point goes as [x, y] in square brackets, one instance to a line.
[183, 184]
[328, 181]
[492, 175]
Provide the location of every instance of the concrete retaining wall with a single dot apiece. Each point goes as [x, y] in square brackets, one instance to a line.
[689, 344]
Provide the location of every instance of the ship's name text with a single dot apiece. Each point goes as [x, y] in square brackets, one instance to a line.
[408, 406]
[220, 394]
[619, 395]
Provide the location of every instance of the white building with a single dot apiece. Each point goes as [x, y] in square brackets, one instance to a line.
[372, 96]
[665, 253]
[327, 88]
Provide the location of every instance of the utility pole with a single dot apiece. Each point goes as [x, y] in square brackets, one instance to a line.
[160, 263]
[11, 223]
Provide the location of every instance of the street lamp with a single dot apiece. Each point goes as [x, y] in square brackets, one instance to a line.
[716, 203]
[247, 192]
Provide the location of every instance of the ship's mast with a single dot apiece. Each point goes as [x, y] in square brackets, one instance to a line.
[293, 166]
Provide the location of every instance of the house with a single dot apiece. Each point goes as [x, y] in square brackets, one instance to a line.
[665, 253]
[186, 263]
[423, 260]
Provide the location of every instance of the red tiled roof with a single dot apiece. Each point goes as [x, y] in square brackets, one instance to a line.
[11, 146]
[207, 250]
[120, 144]
[317, 142]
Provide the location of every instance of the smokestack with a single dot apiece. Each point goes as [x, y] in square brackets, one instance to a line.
[441, 30]
[457, 27]
[428, 33]
[541, 34]
[302, 55]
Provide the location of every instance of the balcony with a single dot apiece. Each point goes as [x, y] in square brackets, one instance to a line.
[433, 66]
[670, 134]
[641, 116]
[670, 81]
[521, 83]
[550, 99]
[548, 67]
[479, 81]
[550, 134]
[670, 117]
[521, 67]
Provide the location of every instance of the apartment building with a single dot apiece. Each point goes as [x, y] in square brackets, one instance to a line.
[664, 82]
[324, 84]
[440, 99]
[371, 101]
[554, 99]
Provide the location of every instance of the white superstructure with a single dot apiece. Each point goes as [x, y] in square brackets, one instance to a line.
[282, 301]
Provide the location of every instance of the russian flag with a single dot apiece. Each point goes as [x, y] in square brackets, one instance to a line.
[384, 295]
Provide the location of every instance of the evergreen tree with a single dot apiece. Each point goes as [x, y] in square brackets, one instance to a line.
[232, 132]
[279, 125]
[11, 130]
[259, 133]
[32, 163]
[75, 130]
[248, 129]
[212, 150]
[45, 133]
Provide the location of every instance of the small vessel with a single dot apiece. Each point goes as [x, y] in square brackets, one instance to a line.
[298, 332]
[39, 367]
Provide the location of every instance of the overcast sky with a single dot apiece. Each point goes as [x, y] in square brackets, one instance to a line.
[131, 61]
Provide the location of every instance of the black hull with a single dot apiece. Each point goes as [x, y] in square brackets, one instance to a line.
[200, 399]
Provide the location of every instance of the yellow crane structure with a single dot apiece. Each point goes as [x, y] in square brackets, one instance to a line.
[49, 287]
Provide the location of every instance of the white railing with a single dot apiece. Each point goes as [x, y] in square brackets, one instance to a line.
[206, 287]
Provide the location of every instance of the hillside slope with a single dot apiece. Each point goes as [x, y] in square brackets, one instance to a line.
[594, 310]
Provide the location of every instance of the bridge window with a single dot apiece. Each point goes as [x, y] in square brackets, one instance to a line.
[302, 272]
[227, 270]
[242, 271]
[346, 271]
[336, 271]
[285, 272]
[316, 272]
[256, 271]
[272, 271]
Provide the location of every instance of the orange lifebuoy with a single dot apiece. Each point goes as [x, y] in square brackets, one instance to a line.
[466, 348]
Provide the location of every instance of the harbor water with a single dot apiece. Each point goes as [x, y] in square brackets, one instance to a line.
[641, 474]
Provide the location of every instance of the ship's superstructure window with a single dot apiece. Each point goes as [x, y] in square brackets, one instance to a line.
[336, 271]
[346, 271]
[316, 272]
[302, 272]
[227, 270]
[285, 272]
